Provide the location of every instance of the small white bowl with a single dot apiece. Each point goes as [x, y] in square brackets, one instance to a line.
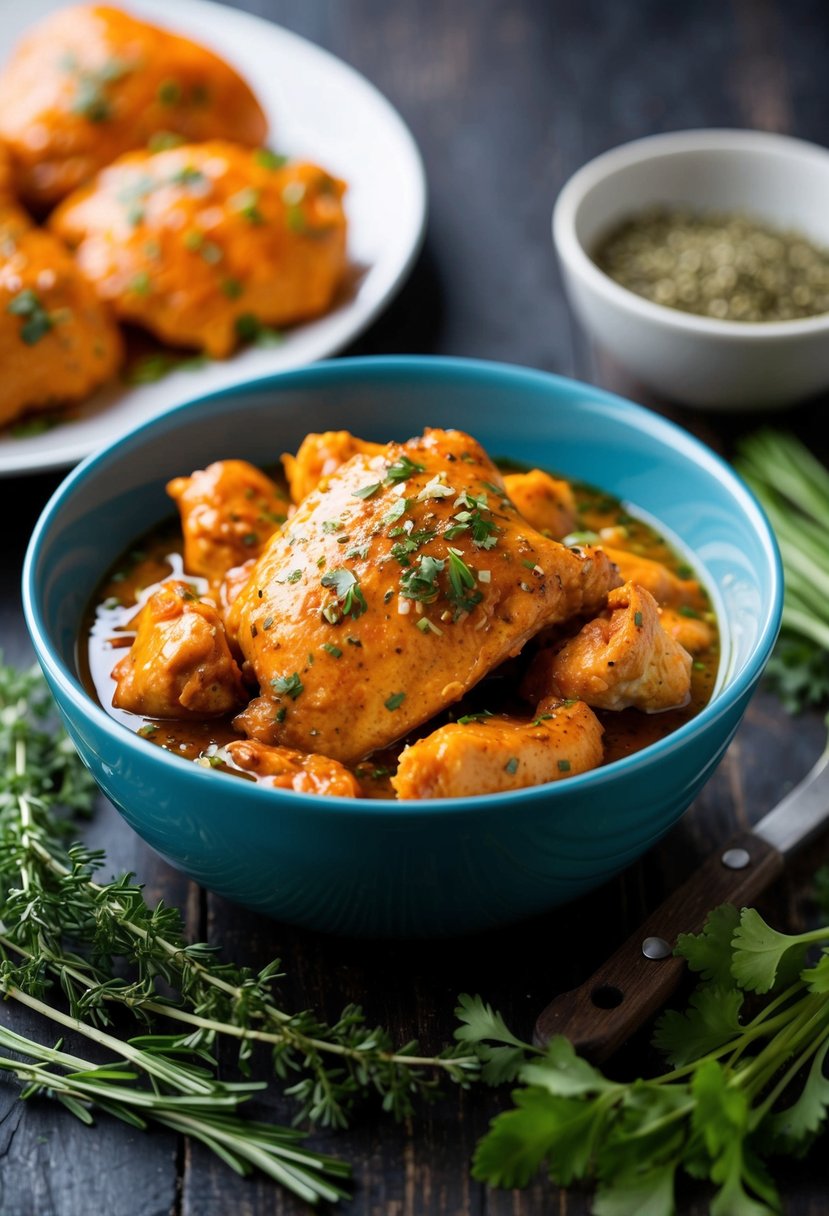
[694, 360]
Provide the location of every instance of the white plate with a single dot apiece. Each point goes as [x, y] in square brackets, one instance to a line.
[317, 108]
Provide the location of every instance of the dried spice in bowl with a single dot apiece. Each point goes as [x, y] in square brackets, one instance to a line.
[729, 266]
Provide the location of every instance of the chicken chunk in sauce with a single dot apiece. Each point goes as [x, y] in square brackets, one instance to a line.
[179, 665]
[622, 658]
[489, 754]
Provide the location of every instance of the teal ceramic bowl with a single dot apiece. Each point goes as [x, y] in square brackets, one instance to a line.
[380, 867]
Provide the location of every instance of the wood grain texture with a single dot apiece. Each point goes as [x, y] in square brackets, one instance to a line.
[506, 98]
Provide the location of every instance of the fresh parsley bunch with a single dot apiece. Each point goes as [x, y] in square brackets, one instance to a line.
[746, 1082]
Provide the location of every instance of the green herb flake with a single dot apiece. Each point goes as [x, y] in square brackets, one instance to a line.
[281, 714]
[37, 322]
[346, 587]
[147, 730]
[291, 686]
[231, 288]
[169, 92]
[395, 700]
[334, 651]
[564, 766]
[366, 491]
[637, 619]
[511, 765]
[267, 159]
[402, 469]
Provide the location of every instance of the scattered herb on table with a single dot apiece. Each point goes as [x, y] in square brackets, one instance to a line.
[793, 487]
[73, 948]
[746, 1082]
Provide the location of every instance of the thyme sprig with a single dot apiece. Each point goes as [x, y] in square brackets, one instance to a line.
[104, 946]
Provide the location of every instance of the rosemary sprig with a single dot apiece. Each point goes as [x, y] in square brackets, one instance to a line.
[104, 945]
[198, 1105]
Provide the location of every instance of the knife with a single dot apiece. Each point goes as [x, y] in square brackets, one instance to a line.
[631, 986]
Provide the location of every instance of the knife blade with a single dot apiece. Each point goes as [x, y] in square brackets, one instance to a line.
[635, 982]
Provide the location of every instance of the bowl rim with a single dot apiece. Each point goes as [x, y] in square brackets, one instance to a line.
[649, 148]
[357, 368]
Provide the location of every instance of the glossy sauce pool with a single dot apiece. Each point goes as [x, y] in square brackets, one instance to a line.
[157, 556]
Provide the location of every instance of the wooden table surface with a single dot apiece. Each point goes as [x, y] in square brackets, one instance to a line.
[506, 98]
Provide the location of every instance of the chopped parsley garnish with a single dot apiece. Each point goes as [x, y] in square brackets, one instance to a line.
[402, 470]
[334, 651]
[421, 582]
[367, 491]
[462, 583]
[564, 766]
[187, 175]
[511, 765]
[481, 717]
[281, 714]
[268, 159]
[37, 322]
[637, 619]
[250, 538]
[395, 700]
[332, 525]
[541, 718]
[293, 577]
[687, 610]
[246, 203]
[345, 586]
[360, 551]
[169, 92]
[396, 511]
[291, 685]
[267, 623]
[90, 100]
[147, 730]
[231, 288]
[427, 626]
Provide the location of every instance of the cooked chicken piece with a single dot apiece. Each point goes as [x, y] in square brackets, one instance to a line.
[544, 501]
[228, 512]
[667, 588]
[321, 455]
[396, 586]
[207, 243]
[621, 658]
[57, 342]
[179, 665]
[90, 82]
[692, 633]
[286, 769]
[233, 582]
[490, 755]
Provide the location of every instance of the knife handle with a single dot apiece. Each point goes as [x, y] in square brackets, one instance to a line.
[631, 986]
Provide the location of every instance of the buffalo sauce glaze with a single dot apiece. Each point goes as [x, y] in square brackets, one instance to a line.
[109, 630]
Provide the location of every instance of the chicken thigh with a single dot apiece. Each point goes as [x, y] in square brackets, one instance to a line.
[57, 341]
[396, 586]
[91, 82]
[205, 244]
